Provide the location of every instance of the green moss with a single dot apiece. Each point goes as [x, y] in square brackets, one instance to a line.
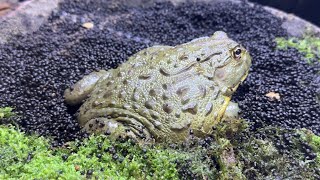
[120, 159]
[151, 162]
[308, 45]
[97, 157]
[29, 157]
[277, 154]
[6, 112]
[314, 142]
[232, 153]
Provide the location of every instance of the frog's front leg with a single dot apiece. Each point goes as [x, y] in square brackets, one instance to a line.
[232, 124]
[232, 111]
[80, 91]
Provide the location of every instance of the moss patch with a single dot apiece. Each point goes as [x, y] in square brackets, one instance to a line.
[308, 45]
[231, 153]
[277, 153]
[6, 112]
[314, 141]
[29, 157]
[32, 157]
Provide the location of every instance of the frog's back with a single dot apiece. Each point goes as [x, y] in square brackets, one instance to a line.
[164, 91]
[152, 90]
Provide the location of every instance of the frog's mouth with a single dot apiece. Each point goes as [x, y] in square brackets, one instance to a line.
[240, 82]
[232, 89]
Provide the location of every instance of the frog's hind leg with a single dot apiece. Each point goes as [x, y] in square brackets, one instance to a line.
[104, 126]
[80, 91]
[114, 129]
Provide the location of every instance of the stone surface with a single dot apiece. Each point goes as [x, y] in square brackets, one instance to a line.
[295, 25]
[29, 16]
[26, 18]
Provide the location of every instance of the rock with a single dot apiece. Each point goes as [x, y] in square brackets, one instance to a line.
[88, 25]
[273, 95]
[26, 18]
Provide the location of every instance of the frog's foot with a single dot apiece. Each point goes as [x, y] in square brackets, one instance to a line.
[232, 111]
[79, 91]
[232, 124]
[114, 129]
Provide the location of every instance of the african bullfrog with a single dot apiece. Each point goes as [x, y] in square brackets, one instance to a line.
[164, 92]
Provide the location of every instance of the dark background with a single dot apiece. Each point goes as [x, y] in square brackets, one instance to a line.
[306, 9]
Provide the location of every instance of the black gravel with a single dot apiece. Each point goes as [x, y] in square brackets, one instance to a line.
[35, 69]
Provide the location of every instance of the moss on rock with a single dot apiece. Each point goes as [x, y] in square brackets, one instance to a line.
[308, 45]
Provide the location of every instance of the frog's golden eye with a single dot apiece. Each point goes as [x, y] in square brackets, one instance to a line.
[237, 53]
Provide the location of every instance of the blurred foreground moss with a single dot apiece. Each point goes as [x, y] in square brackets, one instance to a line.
[308, 45]
[29, 157]
[32, 157]
[6, 112]
[232, 153]
[275, 153]
[314, 141]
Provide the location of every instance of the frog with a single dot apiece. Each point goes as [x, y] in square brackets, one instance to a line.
[164, 93]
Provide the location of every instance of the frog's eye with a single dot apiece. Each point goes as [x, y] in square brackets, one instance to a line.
[237, 53]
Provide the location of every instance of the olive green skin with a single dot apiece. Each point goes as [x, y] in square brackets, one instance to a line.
[164, 92]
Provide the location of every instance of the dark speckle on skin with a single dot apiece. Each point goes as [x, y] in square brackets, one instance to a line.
[153, 92]
[165, 86]
[150, 104]
[125, 82]
[101, 125]
[165, 96]
[109, 83]
[168, 108]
